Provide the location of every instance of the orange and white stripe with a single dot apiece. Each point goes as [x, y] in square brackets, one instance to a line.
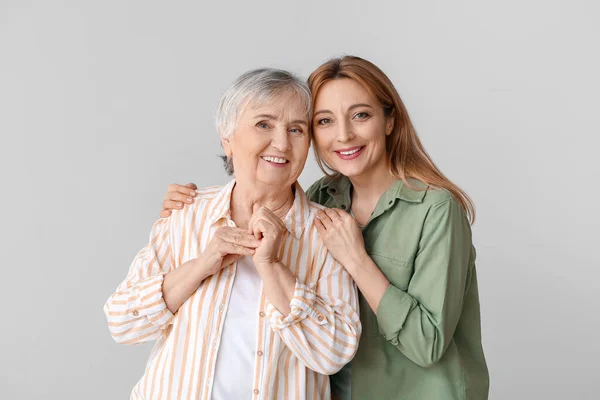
[295, 353]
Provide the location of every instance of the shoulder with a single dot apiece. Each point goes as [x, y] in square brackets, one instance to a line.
[207, 193]
[318, 192]
[204, 200]
[317, 186]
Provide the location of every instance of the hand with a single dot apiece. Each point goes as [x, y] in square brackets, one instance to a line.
[269, 229]
[226, 247]
[341, 235]
[175, 197]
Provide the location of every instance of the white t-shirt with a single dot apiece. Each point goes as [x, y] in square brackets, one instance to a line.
[234, 369]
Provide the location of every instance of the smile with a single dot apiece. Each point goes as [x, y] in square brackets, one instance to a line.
[275, 160]
[350, 153]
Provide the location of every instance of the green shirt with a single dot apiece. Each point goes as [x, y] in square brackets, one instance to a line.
[425, 341]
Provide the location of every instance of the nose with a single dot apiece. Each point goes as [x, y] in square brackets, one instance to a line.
[280, 140]
[344, 131]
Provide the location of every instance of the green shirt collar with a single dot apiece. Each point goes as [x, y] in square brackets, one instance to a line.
[339, 190]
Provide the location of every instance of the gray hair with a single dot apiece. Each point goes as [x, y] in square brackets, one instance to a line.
[256, 86]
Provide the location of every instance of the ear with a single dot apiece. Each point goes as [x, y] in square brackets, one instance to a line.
[226, 146]
[389, 123]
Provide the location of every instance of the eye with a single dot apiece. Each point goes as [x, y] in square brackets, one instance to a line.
[296, 130]
[262, 125]
[323, 121]
[361, 115]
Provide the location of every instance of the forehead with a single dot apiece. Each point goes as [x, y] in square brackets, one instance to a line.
[282, 105]
[342, 91]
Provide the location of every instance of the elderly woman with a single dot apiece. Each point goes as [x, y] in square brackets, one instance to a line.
[238, 289]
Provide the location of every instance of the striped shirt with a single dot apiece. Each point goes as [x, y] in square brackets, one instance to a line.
[294, 353]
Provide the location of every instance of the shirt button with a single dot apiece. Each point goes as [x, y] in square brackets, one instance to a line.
[262, 314]
[343, 206]
[136, 313]
[260, 353]
[255, 391]
[320, 318]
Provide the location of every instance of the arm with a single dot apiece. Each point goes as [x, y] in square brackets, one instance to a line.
[144, 304]
[420, 322]
[137, 312]
[322, 327]
[318, 322]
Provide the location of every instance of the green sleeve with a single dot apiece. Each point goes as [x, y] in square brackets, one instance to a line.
[421, 321]
[340, 382]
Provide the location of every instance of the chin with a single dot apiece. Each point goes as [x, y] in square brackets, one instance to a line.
[275, 181]
[350, 170]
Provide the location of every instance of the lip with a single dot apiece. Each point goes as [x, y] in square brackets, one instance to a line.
[276, 165]
[351, 156]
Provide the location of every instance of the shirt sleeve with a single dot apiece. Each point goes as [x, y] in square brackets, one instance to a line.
[421, 321]
[341, 383]
[137, 312]
[323, 326]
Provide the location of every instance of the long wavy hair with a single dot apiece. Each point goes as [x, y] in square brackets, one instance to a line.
[406, 155]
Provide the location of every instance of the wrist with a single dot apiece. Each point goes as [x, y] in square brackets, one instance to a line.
[356, 261]
[266, 263]
[202, 268]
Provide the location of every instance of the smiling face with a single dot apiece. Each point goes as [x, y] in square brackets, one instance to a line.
[350, 128]
[270, 142]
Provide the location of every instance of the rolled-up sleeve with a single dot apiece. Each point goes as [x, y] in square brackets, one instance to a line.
[421, 320]
[137, 312]
[323, 327]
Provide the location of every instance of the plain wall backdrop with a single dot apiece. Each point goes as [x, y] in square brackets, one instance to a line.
[103, 103]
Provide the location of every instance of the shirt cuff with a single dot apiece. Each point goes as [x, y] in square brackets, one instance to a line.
[301, 306]
[393, 309]
[147, 301]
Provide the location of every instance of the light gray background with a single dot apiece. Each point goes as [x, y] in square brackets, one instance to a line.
[104, 103]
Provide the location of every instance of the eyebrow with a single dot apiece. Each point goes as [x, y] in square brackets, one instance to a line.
[269, 116]
[349, 108]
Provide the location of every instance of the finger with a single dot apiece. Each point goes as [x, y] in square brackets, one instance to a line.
[343, 215]
[242, 238]
[183, 189]
[192, 186]
[340, 212]
[227, 248]
[177, 196]
[165, 213]
[172, 205]
[268, 215]
[266, 228]
[333, 215]
[324, 218]
[320, 227]
[251, 225]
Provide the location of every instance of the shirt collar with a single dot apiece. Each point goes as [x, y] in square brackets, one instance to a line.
[295, 220]
[339, 188]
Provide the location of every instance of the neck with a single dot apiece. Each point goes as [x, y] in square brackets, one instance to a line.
[369, 187]
[247, 198]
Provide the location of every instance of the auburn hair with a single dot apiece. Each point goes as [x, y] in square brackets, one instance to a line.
[406, 155]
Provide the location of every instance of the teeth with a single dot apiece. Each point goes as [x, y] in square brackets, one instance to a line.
[348, 153]
[275, 160]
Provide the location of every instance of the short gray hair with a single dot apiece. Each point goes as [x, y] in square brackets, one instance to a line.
[256, 86]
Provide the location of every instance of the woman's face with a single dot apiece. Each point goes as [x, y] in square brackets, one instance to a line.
[350, 128]
[270, 143]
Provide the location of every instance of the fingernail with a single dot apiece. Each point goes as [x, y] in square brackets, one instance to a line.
[179, 204]
[189, 199]
[193, 192]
